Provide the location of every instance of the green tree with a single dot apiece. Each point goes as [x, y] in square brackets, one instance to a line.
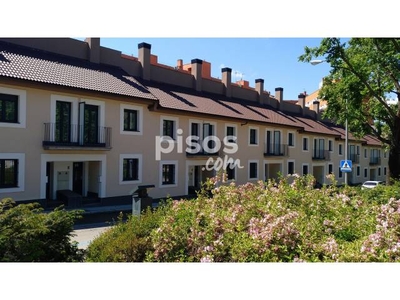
[364, 73]
[27, 234]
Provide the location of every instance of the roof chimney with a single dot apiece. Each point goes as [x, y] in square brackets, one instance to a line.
[196, 72]
[226, 80]
[179, 64]
[279, 95]
[94, 49]
[302, 102]
[316, 109]
[260, 90]
[144, 59]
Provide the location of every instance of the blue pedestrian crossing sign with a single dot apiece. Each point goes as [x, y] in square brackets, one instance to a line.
[346, 165]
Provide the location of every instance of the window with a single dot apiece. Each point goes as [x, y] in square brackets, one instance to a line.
[319, 149]
[231, 131]
[384, 154]
[131, 120]
[12, 107]
[63, 122]
[365, 153]
[253, 136]
[330, 145]
[253, 170]
[273, 143]
[330, 169]
[379, 171]
[358, 170]
[305, 170]
[12, 173]
[291, 139]
[340, 149]
[305, 144]
[384, 171]
[168, 128]
[358, 150]
[168, 173]
[365, 172]
[340, 173]
[291, 167]
[8, 108]
[231, 172]
[130, 169]
[8, 173]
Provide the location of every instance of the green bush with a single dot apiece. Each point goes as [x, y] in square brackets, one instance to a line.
[287, 220]
[127, 241]
[27, 234]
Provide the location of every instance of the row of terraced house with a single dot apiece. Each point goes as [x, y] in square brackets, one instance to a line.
[80, 117]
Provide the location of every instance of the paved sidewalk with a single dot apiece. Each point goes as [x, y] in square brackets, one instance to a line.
[86, 233]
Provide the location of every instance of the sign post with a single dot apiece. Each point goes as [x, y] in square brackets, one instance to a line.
[346, 166]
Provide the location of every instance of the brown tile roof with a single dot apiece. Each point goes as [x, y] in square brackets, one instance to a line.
[172, 97]
[40, 66]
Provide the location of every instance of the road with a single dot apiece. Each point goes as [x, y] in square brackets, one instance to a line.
[84, 234]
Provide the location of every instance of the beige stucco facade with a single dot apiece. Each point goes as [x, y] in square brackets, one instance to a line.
[44, 170]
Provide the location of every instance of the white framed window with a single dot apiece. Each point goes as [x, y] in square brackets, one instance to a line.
[305, 144]
[231, 170]
[365, 153]
[12, 172]
[340, 173]
[131, 119]
[231, 130]
[305, 169]
[330, 168]
[253, 166]
[273, 142]
[253, 136]
[291, 167]
[340, 151]
[130, 168]
[12, 108]
[384, 171]
[168, 173]
[330, 145]
[291, 139]
[169, 127]
[358, 171]
[365, 172]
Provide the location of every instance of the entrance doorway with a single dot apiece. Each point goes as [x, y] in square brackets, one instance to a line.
[77, 178]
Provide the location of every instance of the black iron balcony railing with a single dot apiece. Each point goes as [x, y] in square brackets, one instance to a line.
[319, 154]
[355, 158]
[58, 136]
[276, 150]
[374, 160]
[201, 153]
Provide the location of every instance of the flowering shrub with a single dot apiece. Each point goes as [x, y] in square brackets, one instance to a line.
[287, 220]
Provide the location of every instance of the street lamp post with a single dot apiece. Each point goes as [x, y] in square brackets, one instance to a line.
[314, 63]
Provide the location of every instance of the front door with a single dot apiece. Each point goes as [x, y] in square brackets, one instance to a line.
[77, 175]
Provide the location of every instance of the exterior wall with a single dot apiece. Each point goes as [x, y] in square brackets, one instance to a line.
[212, 86]
[244, 93]
[174, 77]
[64, 46]
[107, 164]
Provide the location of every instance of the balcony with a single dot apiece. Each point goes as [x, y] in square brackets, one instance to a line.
[276, 150]
[319, 154]
[374, 160]
[355, 158]
[76, 137]
[201, 154]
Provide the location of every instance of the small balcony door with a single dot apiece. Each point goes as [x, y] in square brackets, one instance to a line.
[63, 122]
[91, 124]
